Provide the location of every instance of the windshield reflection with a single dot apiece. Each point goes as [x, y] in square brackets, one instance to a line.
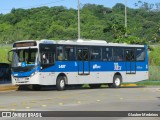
[24, 57]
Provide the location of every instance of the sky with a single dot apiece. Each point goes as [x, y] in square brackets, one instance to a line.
[7, 5]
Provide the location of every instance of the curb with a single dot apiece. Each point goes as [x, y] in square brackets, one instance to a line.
[14, 87]
[129, 85]
[8, 87]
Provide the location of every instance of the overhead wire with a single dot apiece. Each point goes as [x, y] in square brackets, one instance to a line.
[44, 4]
[27, 7]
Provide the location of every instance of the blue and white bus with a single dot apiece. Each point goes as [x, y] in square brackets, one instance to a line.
[61, 63]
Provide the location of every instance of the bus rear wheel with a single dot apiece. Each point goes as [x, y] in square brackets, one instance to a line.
[117, 80]
[60, 84]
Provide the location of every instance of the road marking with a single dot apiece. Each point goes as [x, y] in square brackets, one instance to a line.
[14, 104]
[121, 98]
[23, 103]
[98, 100]
[27, 107]
[49, 98]
[61, 104]
[79, 102]
[44, 105]
[33, 101]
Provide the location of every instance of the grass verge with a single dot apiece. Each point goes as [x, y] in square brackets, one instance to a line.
[141, 83]
[149, 83]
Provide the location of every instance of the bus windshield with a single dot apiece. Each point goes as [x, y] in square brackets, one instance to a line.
[24, 57]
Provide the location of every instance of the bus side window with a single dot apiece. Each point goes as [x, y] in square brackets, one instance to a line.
[47, 57]
[130, 55]
[95, 53]
[107, 54]
[60, 55]
[85, 54]
[118, 54]
[69, 53]
[79, 55]
[140, 54]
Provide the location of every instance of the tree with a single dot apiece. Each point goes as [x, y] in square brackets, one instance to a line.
[97, 22]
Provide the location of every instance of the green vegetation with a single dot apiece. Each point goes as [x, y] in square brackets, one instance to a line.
[148, 83]
[97, 22]
[154, 56]
[154, 73]
[4, 53]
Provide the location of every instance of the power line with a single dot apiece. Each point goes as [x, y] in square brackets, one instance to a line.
[27, 7]
[45, 4]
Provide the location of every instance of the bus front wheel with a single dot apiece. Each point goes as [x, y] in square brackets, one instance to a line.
[117, 80]
[60, 84]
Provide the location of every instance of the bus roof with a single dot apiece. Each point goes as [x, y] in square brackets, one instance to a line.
[82, 42]
[96, 43]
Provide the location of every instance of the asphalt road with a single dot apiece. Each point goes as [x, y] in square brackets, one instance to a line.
[103, 99]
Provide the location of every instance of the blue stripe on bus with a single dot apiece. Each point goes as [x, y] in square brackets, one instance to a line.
[96, 66]
[74, 66]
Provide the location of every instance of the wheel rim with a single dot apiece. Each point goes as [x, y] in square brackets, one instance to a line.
[117, 81]
[62, 83]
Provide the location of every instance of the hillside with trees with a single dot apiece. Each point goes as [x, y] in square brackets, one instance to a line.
[97, 22]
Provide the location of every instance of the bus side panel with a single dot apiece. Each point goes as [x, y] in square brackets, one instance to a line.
[99, 72]
[139, 76]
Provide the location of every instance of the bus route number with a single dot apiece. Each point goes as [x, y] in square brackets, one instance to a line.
[62, 66]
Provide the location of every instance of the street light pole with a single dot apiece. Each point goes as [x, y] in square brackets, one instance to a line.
[126, 17]
[79, 20]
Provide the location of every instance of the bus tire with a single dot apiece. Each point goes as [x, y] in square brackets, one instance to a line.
[60, 83]
[117, 80]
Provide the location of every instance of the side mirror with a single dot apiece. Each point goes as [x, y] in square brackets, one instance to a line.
[9, 54]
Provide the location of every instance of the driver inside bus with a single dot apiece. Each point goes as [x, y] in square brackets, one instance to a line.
[44, 59]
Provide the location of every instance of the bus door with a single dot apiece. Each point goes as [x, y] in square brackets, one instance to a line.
[130, 61]
[83, 61]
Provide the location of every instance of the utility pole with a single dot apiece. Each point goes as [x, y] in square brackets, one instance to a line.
[126, 17]
[79, 34]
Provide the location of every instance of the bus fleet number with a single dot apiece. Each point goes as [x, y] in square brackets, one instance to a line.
[62, 66]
